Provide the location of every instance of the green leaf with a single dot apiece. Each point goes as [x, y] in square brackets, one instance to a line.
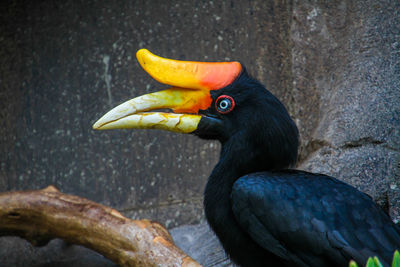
[396, 259]
[370, 262]
[377, 262]
[354, 264]
[374, 262]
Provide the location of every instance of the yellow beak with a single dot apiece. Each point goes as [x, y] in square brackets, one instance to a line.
[192, 83]
[132, 114]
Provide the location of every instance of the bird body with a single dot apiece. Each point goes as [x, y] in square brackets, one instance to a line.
[264, 213]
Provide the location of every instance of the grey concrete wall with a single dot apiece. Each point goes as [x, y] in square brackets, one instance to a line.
[335, 65]
[65, 63]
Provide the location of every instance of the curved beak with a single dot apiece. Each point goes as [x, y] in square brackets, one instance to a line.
[192, 83]
[135, 113]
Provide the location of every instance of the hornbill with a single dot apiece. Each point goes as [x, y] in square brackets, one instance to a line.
[263, 212]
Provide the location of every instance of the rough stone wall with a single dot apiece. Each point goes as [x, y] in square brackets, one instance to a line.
[335, 64]
[347, 53]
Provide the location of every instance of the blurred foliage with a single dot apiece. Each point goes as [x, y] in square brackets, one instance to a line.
[374, 262]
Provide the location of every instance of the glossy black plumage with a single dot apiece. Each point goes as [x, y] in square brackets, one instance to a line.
[312, 219]
[266, 215]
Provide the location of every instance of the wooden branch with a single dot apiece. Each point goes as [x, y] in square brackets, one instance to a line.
[42, 215]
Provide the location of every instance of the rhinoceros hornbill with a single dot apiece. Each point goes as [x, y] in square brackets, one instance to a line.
[263, 213]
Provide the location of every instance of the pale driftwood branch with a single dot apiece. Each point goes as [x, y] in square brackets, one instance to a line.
[42, 215]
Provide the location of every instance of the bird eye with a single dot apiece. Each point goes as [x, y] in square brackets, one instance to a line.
[224, 104]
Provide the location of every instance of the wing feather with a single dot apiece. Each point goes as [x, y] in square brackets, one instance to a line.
[311, 219]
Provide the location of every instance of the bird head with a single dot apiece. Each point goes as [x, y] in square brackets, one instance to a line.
[213, 100]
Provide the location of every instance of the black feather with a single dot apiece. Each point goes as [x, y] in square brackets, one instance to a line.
[312, 217]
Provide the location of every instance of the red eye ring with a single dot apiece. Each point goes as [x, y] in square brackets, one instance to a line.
[224, 104]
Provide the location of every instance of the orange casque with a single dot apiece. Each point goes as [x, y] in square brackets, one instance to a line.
[202, 76]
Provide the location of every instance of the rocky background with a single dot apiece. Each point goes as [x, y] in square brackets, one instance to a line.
[335, 65]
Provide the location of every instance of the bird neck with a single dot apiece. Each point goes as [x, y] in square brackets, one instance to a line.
[220, 182]
[217, 205]
[236, 160]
